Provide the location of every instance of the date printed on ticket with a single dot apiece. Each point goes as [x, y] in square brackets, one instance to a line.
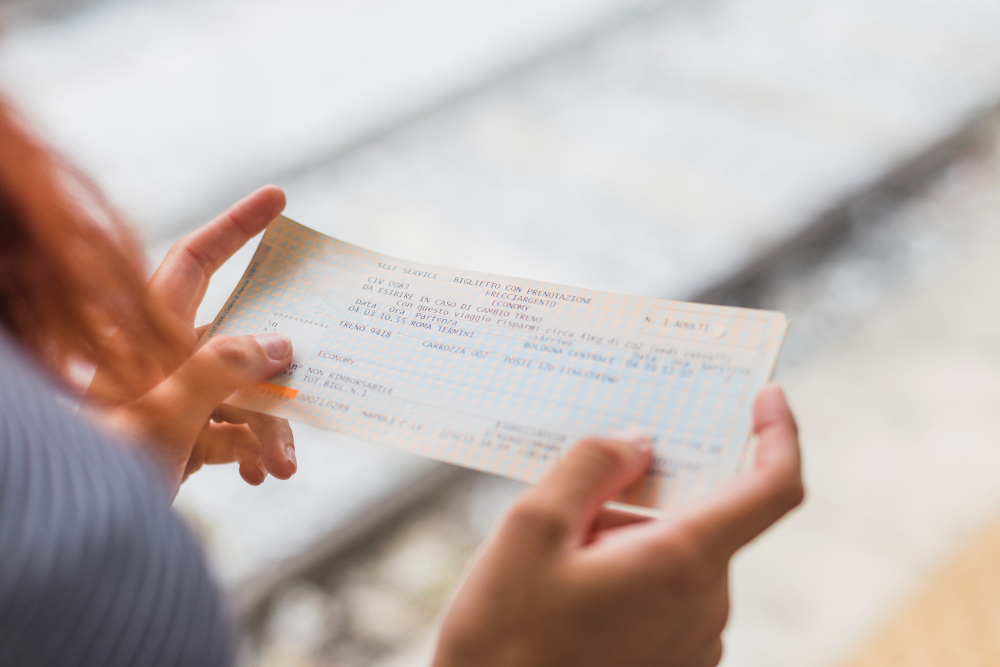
[496, 373]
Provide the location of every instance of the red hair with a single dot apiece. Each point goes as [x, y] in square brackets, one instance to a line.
[71, 271]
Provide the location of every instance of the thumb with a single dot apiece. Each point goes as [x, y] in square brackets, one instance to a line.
[595, 470]
[753, 501]
[216, 370]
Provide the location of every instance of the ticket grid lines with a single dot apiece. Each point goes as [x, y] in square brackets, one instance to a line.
[498, 373]
[413, 401]
[694, 390]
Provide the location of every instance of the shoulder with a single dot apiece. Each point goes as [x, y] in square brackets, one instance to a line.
[42, 433]
[96, 568]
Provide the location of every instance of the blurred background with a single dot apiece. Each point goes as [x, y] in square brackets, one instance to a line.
[838, 161]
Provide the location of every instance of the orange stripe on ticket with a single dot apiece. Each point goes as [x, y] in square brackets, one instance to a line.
[268, 388]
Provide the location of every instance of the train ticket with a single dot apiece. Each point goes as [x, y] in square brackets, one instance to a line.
[496, 373]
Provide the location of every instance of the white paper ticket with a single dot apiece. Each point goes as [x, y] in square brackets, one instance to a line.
[497, 373]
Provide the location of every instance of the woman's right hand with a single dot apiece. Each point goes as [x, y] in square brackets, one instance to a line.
[567, 582]
[172, 420]
[165, 405]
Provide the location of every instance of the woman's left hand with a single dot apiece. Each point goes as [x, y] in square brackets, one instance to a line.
[568, 581]
[168, 406]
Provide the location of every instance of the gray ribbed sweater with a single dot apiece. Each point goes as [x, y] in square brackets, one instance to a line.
[95, 569]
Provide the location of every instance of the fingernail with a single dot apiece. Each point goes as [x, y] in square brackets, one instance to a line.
[290, 455]
[634, 436]
[276, 345]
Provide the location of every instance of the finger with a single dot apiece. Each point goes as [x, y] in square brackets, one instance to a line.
[756, 499]
[710, 656]
[181, 280]
[229, 443]
[275, 435]
[182, 403]
[219, 443]
[252, 471]
[594, 471]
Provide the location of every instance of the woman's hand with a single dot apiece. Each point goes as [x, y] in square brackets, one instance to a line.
[167, 405]
[568, 582]
[173, 417]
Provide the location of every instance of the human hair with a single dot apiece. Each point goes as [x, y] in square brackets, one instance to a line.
[71, 270]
